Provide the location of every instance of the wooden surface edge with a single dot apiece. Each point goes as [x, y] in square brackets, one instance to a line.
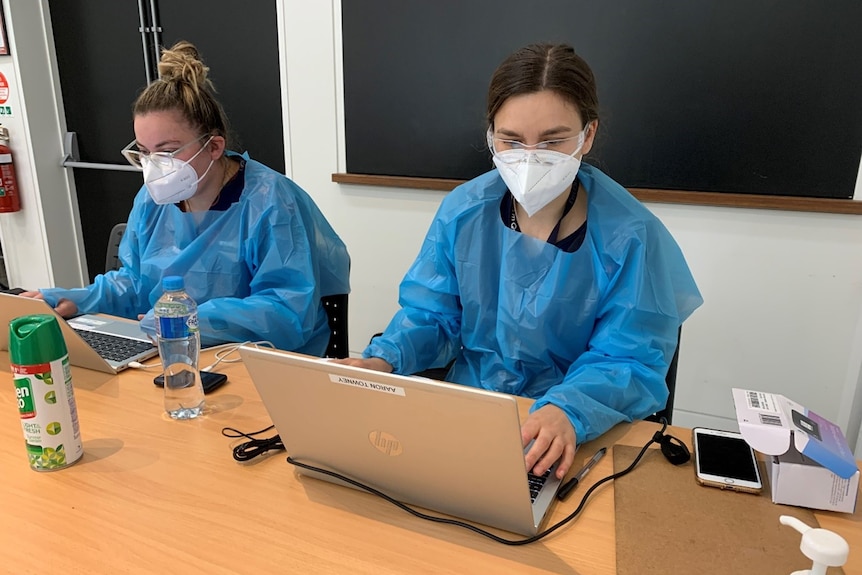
[750, 201]
[397, 182]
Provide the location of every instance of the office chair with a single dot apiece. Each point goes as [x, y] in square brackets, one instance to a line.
[670, 380]
[112, 259]
[336, 312]
[335, 305]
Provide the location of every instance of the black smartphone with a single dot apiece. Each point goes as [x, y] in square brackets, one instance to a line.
[209, 379]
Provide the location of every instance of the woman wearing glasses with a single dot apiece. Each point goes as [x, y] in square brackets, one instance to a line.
[256, 253]
[544, 277]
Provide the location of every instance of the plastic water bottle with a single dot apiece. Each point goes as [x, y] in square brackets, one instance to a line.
[179, 344]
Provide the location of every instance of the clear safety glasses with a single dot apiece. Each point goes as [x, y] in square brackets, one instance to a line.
[163, 159]
[547, 152]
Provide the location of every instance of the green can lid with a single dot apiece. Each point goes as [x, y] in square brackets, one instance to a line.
[35, 339]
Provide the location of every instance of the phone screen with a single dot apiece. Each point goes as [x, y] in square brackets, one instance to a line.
[209, 380]
[725, 457]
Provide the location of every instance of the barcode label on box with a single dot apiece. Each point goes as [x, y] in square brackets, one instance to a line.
[767, 419]
[760, 401]
[753, 399]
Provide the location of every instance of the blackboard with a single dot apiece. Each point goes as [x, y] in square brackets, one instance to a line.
[733, 96]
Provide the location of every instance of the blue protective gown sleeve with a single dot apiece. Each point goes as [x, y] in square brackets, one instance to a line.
[256, 270]
[592, 331]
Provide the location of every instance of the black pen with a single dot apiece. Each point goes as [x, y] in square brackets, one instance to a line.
[573, 482]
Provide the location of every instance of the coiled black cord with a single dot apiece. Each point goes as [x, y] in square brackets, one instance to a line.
[254, 447]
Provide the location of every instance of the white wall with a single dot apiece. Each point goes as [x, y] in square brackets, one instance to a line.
[783, 290]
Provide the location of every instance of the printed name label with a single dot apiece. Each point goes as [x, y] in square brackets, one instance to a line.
[343, 380]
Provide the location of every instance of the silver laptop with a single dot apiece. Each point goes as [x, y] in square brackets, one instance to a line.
[113, 342]
[449, 448]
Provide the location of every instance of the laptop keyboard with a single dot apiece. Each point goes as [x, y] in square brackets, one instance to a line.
[112, 347]
[536, 482]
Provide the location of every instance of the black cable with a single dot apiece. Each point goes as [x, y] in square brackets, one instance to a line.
[658, 437]
[253, 447]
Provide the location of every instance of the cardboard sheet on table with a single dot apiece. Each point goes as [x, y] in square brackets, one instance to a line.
[666, 523]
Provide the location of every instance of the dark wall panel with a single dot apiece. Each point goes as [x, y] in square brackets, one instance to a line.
[736, 96]
[101, 66]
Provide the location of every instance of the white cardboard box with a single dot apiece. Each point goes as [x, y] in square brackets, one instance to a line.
[810, 463]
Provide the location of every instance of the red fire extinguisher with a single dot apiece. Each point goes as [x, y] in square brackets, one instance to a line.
[10, 201]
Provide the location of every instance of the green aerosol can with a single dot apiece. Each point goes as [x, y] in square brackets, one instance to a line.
[43, 387]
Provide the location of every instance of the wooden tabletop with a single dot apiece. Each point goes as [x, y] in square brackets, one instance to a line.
[153, 495]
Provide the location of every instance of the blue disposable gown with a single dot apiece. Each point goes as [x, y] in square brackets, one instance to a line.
[592, 331]
[257, 270]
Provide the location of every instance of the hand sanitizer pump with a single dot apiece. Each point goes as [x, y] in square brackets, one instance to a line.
[825, 548]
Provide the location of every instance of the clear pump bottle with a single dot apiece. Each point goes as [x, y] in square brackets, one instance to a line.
[825, 548]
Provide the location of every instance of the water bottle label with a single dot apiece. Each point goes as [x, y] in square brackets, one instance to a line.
[192, 322]
[173, 327]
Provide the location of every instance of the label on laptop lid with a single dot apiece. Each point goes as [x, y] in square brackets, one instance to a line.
[372, 385]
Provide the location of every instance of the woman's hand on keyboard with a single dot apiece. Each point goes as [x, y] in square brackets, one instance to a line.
[553, 439]
[64, 307]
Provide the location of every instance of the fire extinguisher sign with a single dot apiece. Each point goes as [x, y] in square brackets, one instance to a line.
[4, 88]
[4, 96]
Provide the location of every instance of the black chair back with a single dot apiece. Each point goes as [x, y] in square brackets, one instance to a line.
[670, 380]
[336, 311]
[112, 256]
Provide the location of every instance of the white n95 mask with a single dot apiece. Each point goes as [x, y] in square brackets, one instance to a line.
[170, 180]
[537, 177]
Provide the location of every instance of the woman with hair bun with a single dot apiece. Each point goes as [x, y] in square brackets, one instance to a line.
[256, 253]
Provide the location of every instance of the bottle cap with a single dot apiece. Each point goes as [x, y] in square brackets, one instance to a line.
[35, 339]
[172, 283]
